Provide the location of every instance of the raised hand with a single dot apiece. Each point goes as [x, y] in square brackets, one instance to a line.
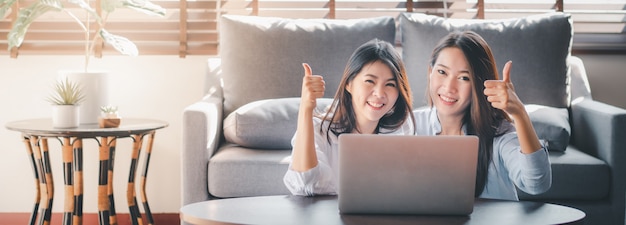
[303, 156]
[313, 87]
[501, 93]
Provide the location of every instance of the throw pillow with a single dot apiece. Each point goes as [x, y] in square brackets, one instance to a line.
[266, 124]
[262, 56]
[538, 45]
[551, 125]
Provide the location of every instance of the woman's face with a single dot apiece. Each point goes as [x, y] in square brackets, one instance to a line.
[374, 92]
[450, 83]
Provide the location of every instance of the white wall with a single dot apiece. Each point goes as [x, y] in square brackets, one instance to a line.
[157, 87]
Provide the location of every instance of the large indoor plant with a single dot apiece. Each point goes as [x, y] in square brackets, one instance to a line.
[95, 83]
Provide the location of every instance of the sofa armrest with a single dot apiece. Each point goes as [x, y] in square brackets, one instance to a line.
[202, 129]
[599, 129]
[202, 132]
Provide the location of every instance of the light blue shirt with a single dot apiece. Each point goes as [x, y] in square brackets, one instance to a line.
[323, 179]
[509, 168]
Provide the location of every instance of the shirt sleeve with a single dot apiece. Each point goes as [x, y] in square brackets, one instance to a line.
[319, 180]
[531, 173]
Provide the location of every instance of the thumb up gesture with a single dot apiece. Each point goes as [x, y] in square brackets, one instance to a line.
[313, 87]
[501, 93]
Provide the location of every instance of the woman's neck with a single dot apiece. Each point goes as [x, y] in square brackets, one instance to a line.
[365, 128]
[451, 125]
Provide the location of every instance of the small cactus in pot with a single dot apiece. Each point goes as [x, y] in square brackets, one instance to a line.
[110, 117]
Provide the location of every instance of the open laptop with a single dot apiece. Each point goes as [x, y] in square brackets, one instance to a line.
[405, 174]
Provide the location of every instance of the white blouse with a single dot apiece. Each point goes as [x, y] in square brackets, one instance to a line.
[323, 179]
[509, 168]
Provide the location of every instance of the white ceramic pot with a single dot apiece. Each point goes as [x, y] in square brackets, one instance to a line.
[96, 88]
[65, 116]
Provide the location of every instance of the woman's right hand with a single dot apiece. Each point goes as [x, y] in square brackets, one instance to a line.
[313, 87]
[303, 156]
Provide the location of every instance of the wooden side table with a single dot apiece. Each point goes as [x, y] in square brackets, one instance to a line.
[36, 133]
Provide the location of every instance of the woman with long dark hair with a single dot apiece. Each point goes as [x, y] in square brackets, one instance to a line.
[466, 97]
[373, 97]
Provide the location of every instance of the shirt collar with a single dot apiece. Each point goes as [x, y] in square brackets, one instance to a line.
[435, 124]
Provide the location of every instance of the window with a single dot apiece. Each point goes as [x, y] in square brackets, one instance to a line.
[190, 27]
[598, 25]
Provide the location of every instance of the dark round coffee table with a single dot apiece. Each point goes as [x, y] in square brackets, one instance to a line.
[324, 210]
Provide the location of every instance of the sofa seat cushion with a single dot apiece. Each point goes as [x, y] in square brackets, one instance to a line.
[538, 45]
[575, 176]
[236, 171]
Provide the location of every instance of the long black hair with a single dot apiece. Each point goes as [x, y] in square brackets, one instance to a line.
[341, 117]
[481, 118]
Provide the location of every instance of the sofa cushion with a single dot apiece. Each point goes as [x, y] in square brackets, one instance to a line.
[538, 45]
[262, 56]
[551, 124]
[236, 171]
[575, 176]
[266, 124]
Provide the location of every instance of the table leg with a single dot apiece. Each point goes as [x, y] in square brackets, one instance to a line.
[113, 216]
[33, 161]
[43, 158]
[142, 190]
[68, 175]
[78, 181]
[135, 215]
[103, 199]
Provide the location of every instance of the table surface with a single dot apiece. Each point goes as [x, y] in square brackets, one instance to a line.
[323, 210]
[43, 127]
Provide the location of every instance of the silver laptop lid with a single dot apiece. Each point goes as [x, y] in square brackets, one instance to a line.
[393, 174]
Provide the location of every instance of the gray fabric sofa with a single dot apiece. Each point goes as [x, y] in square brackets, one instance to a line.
[236, 137]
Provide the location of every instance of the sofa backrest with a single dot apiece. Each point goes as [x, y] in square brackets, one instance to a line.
[262, 56]
[538, 45]
[261, 59]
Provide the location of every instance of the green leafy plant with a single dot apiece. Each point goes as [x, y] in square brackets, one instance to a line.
[27, 15]
[66, 92]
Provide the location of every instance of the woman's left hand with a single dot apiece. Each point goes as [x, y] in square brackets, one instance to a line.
[501, 93]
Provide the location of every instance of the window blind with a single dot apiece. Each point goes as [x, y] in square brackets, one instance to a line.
[599, 25]
[190, 27]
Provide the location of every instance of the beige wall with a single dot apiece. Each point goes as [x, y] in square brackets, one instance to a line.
[158, 87]
[607, 77]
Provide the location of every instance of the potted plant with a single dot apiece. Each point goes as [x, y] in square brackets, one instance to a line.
[95, 83]
[110, 117]
[65, 99]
